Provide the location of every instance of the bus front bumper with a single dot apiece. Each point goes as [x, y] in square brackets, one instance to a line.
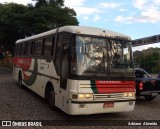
[96, 107]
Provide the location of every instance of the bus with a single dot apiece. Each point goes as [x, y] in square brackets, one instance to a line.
[80, 70]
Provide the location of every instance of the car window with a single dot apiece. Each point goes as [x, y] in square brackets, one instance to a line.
[139, 74]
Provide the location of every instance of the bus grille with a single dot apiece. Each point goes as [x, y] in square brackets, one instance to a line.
[108, 96]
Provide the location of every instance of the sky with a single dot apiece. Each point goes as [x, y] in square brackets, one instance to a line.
[135, 18]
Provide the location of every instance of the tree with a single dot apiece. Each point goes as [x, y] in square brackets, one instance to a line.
[40, 3]
[9, 25]
[19, 21]
[57, 2]
[148, 59]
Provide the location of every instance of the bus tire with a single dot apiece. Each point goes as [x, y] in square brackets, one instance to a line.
[50, 96]
[149, 97]
[20, 81]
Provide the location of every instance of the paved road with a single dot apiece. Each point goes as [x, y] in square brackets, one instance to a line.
[23, 104]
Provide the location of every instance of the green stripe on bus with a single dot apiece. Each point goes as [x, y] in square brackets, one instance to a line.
[33, 77]
[93, 86]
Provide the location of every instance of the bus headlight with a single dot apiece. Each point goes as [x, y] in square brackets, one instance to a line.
[82, 96]
[128, 94]
[125, 94]
[88, 96]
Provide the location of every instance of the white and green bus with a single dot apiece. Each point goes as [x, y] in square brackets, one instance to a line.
[80, 70]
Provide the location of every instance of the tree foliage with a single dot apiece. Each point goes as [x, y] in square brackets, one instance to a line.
[148, 59]
[19, 21]
[58, 3]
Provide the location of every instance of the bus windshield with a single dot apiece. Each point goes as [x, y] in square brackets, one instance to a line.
[97, 56]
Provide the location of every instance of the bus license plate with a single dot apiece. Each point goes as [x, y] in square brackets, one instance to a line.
[108, 105]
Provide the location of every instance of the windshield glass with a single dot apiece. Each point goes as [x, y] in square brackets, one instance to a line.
[101, 57]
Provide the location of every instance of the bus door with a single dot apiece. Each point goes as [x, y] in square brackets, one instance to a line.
[63, 55]
[63, 78]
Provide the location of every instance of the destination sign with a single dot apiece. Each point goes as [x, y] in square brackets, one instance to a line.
[146, 40]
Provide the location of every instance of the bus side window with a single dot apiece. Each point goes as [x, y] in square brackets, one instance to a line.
[48, 47]
[29, 47]
[20, 49]
[32, 47]
[38, 44]
[25, 48]
[59, 50]
[16, 50]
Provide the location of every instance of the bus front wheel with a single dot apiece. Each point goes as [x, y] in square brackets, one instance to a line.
[51, 98]
[20, 81]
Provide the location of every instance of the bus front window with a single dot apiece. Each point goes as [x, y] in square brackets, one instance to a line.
[101, 57]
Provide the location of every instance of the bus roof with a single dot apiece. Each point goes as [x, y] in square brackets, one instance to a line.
[78, 30]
